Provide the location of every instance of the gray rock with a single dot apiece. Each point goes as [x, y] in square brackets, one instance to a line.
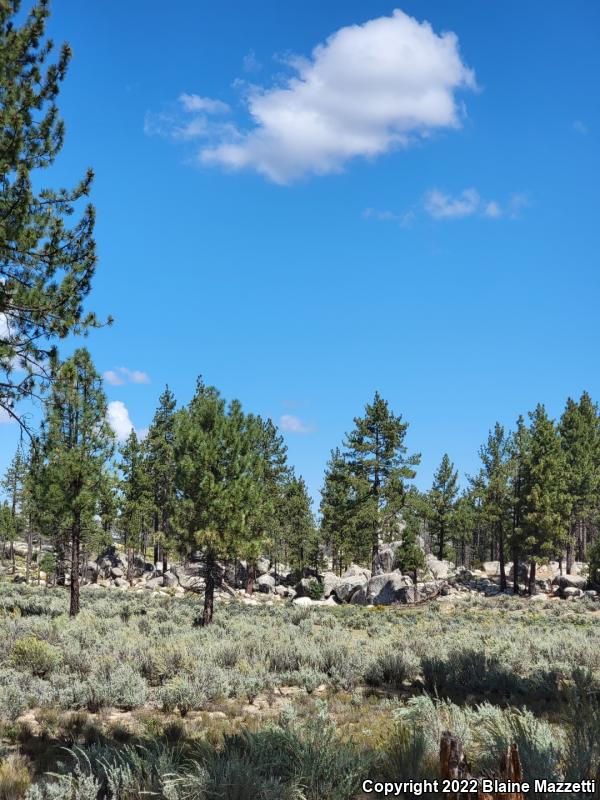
[386, 559]
[330, 581]
[281, 591]
[354, 571]
[266, 583]
[154, 583]
[591, 593]
[571, 591]
[122, 583]
[387, 588]
[262, 566]
[358, 598]
[439, 569]
[347, 586]
[302, 601]
[116, 572]
[569, 582]
[170, 580]
[491, 568]
[430, 589]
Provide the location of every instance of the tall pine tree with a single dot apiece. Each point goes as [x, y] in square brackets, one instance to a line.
[441, 499]
[547, 504]
[46, 265]
[77, 441]
[379, 468]
[580, 436]
[162, 470]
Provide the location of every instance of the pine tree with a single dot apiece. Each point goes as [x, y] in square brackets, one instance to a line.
[217, 479]
[46, 266]
[519, 458]
[77, 443]
[137, 509]
[162, 470]
[379, 469]
[34, 500]
[463, 524]
[547, 505]
[301, 534]
[13, 485]
[493, 486]
[410, 554]
[266, 531]
[580, 436]
[338, 530]
[441, 498]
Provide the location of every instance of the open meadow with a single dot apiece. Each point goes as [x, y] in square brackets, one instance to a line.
[274, 702]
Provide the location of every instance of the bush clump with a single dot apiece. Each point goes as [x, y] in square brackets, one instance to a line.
[34, 656]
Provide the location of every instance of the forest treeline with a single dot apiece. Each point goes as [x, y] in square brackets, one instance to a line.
[214, 480]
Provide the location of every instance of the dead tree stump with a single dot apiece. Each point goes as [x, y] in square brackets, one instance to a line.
[455, 767]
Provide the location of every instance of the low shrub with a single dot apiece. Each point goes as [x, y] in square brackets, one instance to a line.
[34, 656]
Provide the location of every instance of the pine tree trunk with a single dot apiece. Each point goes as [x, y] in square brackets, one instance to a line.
[515, 570]
[209, 591]
[29, 551]
[441, 544]
[569, 557]
[250, 579]
[164, 561]
[75, 558]
[532, 583]
[501, 559]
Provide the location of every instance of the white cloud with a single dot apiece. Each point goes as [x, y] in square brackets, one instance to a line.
[123, 375]
[251, 63]
[405, 219]
[367, 90]
[292, 424]
[444, 206]
[193, 102]
[119, 419]
[492, 210]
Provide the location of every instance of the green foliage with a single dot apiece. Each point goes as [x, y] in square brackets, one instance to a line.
[440, 504]
[35, 656]
[77, 443]
[46, 266]
[547, 504]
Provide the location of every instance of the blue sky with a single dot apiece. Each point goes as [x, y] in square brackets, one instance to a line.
[399, 210]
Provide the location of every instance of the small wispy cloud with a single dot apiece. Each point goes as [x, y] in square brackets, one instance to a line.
[517, 203]
[290, 423]
[444, 206]
[580, 127]
[404, 219]
[188, 119]
[122, 375]
[250, 63]
[440, 205]
[194, 102]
